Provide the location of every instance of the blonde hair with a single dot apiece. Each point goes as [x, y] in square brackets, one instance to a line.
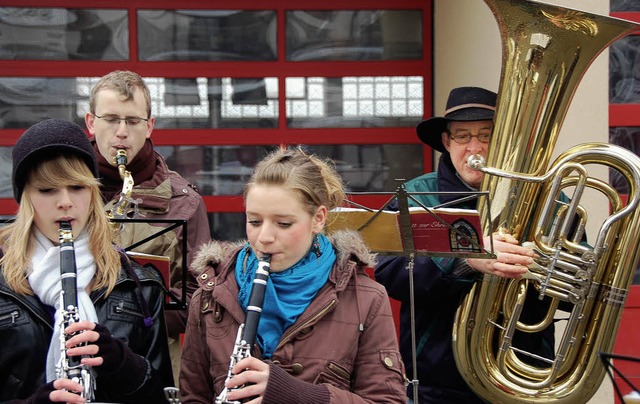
[313, 179]
[17, 241]
[123, 82]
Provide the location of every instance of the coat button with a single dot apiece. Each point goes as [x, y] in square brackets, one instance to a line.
[211, 283]
[296, 369]
[203, 276]
[388, 362]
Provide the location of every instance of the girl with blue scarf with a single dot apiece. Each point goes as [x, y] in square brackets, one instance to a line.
[288, 293]
[325, 332]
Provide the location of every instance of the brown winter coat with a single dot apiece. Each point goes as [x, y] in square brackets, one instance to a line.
[342, 349]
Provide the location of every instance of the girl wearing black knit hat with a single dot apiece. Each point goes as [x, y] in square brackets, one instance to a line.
[120, 334]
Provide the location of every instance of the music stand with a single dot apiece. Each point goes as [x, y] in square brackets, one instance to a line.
[174, 302]
[408, 246]
[611, 369]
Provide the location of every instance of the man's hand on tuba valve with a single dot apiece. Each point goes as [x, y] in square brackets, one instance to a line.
[512, 260]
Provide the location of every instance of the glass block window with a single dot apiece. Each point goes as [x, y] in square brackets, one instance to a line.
[354, 101]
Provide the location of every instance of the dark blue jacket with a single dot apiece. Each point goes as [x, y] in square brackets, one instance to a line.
[438, 293]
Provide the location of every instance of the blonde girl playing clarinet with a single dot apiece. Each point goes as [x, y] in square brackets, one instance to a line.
[121, 334]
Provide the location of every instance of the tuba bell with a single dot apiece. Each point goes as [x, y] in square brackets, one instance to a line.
[545, 52]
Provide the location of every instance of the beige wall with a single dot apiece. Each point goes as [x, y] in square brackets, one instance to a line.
[467, 51]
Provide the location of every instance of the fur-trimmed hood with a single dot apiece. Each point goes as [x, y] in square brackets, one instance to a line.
[347, 243]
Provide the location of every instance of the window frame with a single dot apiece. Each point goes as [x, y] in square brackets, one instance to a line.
[280, 68]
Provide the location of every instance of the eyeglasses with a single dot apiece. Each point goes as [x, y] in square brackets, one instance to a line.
[465, 138]
[114, 121]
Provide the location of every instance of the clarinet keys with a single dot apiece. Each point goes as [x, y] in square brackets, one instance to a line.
[70, 367]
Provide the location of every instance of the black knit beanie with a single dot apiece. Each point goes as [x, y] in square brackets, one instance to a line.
[46, 140]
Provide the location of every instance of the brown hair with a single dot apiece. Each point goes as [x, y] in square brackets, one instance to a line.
[123, 82]
[313, 179]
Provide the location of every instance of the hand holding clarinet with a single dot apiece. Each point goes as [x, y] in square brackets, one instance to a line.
[247, 375]
[70, 366]
[86, 347]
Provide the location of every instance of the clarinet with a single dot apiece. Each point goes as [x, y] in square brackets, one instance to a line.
[69, 366]
[246, 336]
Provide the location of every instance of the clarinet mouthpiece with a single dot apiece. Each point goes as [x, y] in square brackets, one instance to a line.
[65, 233]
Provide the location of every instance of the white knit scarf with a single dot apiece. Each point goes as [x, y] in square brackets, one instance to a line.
[45, 282]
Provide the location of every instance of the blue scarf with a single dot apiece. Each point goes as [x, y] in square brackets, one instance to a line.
[288, 293]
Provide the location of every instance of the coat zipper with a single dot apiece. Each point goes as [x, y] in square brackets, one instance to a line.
[121, 309]
[26, 305]
[13, 316]
[311, 320]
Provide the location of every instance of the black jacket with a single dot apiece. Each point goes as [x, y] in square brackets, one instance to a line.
[26, 327]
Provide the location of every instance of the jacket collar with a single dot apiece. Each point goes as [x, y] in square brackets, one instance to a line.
[214, 264]
[216, 258]
[449, 181]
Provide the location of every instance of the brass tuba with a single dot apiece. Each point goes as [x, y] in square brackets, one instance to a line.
[545, 51]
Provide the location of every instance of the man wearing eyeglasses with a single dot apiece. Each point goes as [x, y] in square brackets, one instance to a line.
[440, 283]
[120, 119]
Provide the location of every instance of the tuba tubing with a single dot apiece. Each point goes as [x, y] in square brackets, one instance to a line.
[546, 50]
